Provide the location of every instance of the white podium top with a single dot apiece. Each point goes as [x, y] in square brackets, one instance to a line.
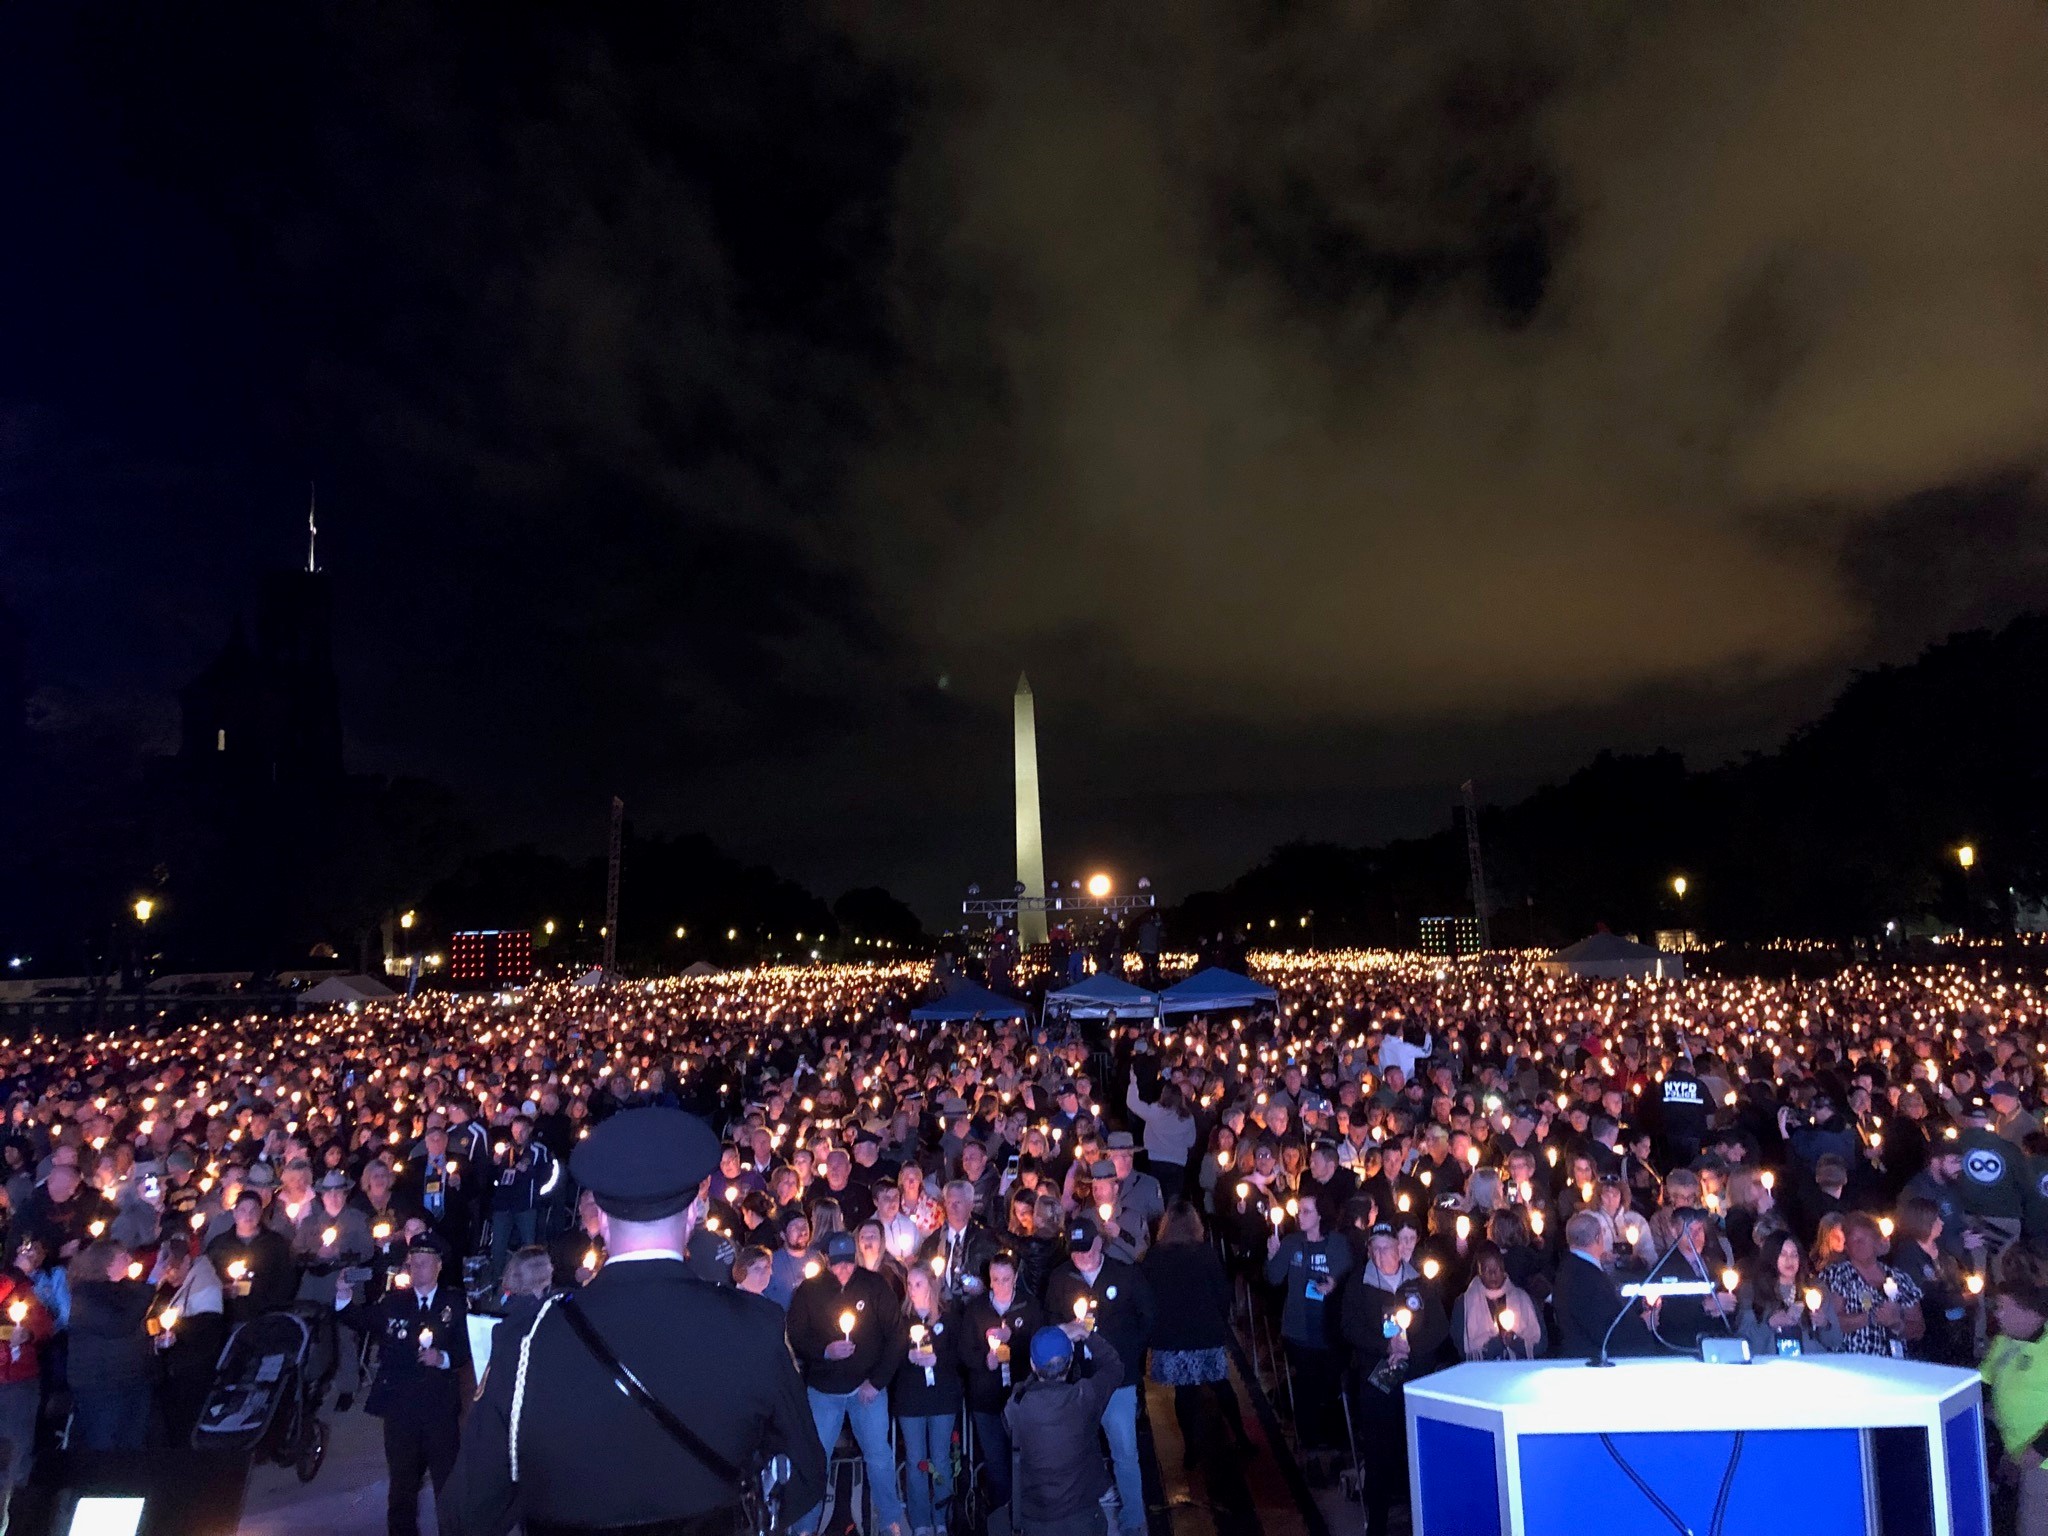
[1537, 1397]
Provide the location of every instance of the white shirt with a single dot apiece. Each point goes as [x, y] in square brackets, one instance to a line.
[643, 1254]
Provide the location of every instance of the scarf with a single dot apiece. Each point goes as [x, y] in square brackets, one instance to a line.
[1480, 1309]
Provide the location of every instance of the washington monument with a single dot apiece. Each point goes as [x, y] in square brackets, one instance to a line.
[1030, 839]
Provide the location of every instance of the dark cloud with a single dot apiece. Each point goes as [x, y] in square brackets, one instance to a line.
[1322, 401]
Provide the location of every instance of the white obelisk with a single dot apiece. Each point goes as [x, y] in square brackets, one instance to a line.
[1030, 840]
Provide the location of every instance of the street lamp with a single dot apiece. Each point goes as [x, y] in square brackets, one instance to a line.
[548, 927]
[406, 920]
[1678, 886]
[1966, 855]
[681, 931]
[143, 908]
[1098, 886]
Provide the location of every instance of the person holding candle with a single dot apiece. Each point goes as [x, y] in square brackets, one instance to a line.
[527, 1176]
[843, 1332]
[996, 1329]
[578, 1254]
[1136, 1203]
[1397, 1329]
[1781, 1307]
[925, 1396]
[1495, 1319]
[1945, 1299]
[30, 1326]
[1876, 1305]
[253, 1261]
[1309, 1265]
[1112, 1298]
[189, 1344]
[422, 1334]
[112, 1366]
[961, 1247]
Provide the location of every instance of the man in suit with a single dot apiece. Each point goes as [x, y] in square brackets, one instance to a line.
[422, 1333]
[590, 1457]
[962, 1246]
[438, 1184]
[1586, 1300]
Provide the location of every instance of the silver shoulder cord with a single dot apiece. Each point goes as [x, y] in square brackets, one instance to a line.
[519, 1379]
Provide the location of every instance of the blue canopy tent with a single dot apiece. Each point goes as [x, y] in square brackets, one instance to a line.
[1103, 996]
[1215, 990]
[963, 1000]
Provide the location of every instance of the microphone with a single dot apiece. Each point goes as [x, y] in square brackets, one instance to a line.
[1642, 1288]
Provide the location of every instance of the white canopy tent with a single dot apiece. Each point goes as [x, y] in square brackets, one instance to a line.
[1103, 996]
[344, 990]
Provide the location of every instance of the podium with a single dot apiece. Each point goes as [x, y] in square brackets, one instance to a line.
[1829, 1445]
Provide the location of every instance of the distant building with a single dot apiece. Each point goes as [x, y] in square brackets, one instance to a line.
[270, 712]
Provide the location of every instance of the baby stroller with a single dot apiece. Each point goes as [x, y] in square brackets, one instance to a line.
[268, 1387]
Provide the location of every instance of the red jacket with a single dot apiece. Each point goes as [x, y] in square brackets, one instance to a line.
[18, 1359]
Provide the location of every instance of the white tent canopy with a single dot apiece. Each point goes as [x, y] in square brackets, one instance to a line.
[1608, 956]
[347, 989]
[1103, 996]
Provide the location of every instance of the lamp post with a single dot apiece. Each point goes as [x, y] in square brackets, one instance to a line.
[1966, 860]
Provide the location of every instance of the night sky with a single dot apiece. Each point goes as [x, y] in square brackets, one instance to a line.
[1323, 402]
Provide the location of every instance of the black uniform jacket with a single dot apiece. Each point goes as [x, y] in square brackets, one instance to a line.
[588, 1455]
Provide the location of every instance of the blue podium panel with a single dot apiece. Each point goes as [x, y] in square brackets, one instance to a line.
[1808, 1481]
[1831, 1446]
[1455, 1469]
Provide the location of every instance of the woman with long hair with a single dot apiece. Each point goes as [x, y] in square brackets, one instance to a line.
[1780, 1302]
[925, 1396]
[1829, 1241]
[1916, 1252]
[1190, 1350]
[1216, 1166]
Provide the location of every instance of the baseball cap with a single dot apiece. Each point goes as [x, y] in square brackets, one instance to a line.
[1051, 1349]
[840, 1248]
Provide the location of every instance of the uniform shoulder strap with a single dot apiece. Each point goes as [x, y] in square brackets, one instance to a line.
[631, 1385]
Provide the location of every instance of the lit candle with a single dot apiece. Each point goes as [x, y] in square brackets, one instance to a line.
[426, 1340]
[1506, 1319]
[1104, 1210]
[1402, 1318]
[1729, 1279]
[1536, 1221]
[1430, 1268]
[1813, 1299]
[846, 1321]
[1768, 1179]
[96, 1226]
[135, 1269]
[1464, 1229]
[328, 1237]
[1974, 1284]
[811, 1268]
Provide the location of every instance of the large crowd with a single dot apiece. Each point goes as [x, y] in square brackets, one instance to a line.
[1399, 1166]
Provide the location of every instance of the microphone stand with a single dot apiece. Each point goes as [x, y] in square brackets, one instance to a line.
[1604, 1358]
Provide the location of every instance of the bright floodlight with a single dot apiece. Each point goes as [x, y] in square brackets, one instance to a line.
[1098, 886]
[98, 1516]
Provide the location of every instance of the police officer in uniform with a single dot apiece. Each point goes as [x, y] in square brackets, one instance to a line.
[587, 1456]
[422, 1333]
